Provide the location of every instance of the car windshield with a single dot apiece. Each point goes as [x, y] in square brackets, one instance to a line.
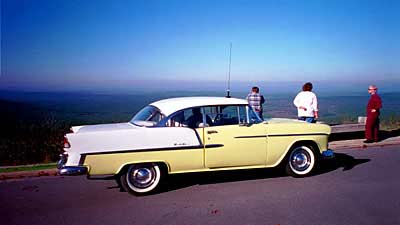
[149, 116]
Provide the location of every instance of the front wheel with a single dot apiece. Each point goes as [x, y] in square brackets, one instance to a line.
[301, 161]
[141, 178]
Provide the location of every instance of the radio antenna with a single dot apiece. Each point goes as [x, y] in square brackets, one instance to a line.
[229, 73]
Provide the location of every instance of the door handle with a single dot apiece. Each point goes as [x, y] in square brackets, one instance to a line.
[212, 132]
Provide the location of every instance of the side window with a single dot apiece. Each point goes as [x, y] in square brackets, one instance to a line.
[156, 117]
[192, 117]
[210, 113]
[243, 115]
[177, 120]
[226, 115]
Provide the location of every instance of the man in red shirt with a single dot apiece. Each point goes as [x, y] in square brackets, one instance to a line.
[373, 107]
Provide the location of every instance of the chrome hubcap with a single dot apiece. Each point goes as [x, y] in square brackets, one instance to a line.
[142, 177]
[300, 159]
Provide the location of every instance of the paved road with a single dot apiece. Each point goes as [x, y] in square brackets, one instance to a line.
[359, 187]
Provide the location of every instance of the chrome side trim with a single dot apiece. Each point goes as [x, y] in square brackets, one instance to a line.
[213, 146]
[257, 136]
[192, 147]
[284, 135]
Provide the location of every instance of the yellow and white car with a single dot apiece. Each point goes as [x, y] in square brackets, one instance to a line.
[192, 134]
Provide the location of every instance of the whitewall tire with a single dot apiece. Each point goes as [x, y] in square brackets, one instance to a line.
[141, 178]
[301, 161]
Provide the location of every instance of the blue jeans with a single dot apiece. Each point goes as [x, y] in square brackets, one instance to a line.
[307, 119]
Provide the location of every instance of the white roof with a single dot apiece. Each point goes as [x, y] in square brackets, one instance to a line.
[171, 105]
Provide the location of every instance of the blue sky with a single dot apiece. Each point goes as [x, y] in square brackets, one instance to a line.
[150, 44]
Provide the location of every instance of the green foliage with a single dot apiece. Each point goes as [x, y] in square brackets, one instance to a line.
[28, 168]
[391, 122]
[29, 135]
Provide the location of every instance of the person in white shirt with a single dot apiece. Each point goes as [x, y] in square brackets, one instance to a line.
[307, 104]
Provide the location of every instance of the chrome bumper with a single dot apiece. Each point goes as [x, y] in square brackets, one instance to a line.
[72, 170]
[69, 170]
[328, 154]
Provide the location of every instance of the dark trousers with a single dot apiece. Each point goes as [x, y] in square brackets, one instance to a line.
[307, 119]
[372, 128]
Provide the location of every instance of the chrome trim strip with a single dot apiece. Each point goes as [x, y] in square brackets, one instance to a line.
[82, 160]
[198, 136]
[157, 149]
[284, 135]
[214, 146]
[257, 136]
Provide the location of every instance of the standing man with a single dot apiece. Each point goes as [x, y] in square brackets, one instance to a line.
[256, 100]
[373, 108]
[307, 104]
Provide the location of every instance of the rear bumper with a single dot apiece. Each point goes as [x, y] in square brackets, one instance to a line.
[328, 154]
[72, 170]
[69, 170]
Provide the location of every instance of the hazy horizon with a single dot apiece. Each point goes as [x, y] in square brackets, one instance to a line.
[331, 88]
[185, 45]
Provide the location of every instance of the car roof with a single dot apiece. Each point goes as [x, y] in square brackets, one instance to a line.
[171, 105]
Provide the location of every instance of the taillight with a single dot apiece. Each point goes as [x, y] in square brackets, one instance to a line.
[66, 143]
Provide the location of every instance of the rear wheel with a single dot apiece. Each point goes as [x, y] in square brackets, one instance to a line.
[141, 178]
[301, 161]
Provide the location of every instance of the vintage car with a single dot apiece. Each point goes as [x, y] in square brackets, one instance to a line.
[192, 134]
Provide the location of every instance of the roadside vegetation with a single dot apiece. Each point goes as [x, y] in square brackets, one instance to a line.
[29, 135]
[28, 168]
[388, 123]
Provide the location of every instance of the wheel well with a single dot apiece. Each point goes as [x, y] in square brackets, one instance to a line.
[314, 146]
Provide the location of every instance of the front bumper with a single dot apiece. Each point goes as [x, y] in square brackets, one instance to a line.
[69, 170]
[328, 154]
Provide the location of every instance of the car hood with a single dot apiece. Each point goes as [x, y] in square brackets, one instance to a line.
[103, 127]
[280, 126]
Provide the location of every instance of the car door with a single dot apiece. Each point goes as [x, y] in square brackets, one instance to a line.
[234, 139]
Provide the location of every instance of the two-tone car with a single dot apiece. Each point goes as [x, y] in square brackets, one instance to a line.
[192, 134]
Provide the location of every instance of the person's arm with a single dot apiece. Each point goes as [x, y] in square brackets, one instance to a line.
[262, 99]
[315, 106]
[296, 102]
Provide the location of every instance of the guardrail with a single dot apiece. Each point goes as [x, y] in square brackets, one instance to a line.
[345, 128]
[354, 127]
[348, 131]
